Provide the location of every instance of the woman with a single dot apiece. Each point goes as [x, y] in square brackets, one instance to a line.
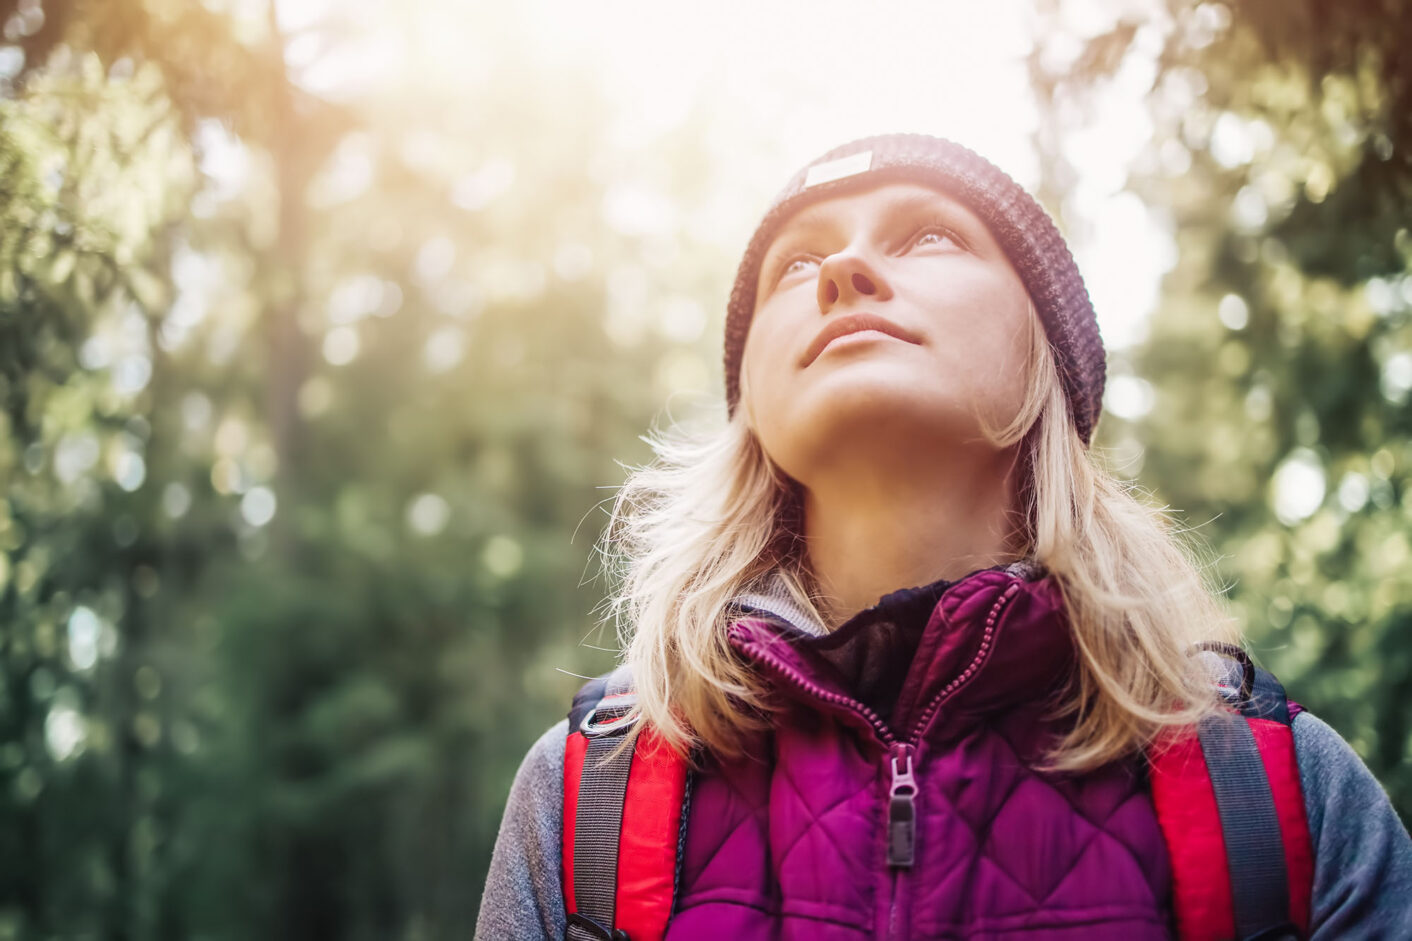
[913, 375]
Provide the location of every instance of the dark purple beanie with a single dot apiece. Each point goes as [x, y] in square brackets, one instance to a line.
[1021, 226]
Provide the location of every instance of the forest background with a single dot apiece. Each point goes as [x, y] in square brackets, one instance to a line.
[318, 362]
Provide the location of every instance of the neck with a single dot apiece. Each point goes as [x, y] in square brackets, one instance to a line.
[870, 533]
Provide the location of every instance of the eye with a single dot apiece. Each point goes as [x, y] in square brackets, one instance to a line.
[796, 265]
[934, 234]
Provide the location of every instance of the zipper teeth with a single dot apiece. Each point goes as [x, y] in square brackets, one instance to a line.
[873, 719]
[965, 675]
[789, 676]
[884, 733]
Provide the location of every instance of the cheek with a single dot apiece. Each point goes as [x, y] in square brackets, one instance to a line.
[1011, 354]
[993, 351]
[760, 361]
[749, 383]
[1005, 333]
[764, 386]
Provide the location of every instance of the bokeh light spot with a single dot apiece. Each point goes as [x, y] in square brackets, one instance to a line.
[341, 346]
[1297, 488]
[64, 731]
[1128, 397]
[84, 630]
[1234, 312]
[258, 506]
[428, 514]
[502, 556]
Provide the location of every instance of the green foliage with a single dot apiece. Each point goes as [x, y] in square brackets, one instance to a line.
[309, 409]
[1279, 361]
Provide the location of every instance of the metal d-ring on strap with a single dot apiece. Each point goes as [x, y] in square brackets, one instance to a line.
[599, 821]
[1255, 851]
[593, 728]
[1236, 655]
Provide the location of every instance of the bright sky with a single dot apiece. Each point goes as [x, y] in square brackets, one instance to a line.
[811, 75]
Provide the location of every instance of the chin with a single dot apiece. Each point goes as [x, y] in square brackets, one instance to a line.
[838, 420]
[872, 392]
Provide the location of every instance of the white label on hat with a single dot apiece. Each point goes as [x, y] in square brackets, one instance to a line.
[838, 169]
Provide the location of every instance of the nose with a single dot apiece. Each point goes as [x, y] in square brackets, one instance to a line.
[846, 276]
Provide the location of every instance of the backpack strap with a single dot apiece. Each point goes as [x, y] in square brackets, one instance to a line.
[624, 819]
[1229, 803]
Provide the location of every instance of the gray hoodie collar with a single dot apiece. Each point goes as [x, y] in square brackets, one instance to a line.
[768, 597]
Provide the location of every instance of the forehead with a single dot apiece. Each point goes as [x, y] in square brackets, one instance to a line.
[877, 201]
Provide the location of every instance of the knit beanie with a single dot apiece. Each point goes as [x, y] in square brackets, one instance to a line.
[1021, 226]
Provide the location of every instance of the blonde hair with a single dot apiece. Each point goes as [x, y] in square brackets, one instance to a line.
[712, 514]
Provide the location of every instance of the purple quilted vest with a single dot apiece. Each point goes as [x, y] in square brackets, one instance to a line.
[821, 834]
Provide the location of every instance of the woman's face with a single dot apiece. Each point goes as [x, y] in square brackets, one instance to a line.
[953, 338]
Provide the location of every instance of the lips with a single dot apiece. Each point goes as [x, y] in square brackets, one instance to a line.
[853, 323]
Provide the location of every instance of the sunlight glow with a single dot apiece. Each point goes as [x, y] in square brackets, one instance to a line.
[806, 77]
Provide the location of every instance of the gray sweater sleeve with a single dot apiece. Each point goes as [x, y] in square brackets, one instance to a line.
[524, 896]
[1362, 853]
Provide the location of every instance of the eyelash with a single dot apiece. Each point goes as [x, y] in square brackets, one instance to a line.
[935, 227]
[939, 228]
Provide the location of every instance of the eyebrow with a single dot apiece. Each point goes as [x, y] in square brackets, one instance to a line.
[808, 224]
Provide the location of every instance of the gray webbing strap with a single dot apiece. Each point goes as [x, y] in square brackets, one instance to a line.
[1255, 851]
[598, 822]
[596, 827]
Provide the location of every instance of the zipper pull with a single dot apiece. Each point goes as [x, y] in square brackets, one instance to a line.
[901, 813]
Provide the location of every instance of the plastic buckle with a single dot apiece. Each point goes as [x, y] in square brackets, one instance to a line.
[597, 931]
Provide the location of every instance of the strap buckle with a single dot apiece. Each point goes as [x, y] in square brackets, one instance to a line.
[589, 928]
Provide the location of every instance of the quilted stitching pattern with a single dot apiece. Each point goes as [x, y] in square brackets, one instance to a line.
[1024, 845]
[791, 843]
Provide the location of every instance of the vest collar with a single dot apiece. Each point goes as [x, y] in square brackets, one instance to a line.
[994, 639]
[769, 598]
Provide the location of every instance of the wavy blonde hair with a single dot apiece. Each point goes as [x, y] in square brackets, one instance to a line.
[712, 514]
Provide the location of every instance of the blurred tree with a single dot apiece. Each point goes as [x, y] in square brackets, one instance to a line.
[76, 286]
[303, 402]
[303, 399]
[1270, 396]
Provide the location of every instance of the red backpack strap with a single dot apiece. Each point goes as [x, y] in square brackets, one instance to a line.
[623, 820]
[1231, 809]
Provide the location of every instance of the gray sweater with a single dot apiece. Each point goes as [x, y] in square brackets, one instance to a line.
[1362, 853]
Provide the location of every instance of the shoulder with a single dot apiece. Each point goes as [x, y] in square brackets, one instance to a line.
[545, 758]
[524, 886]
[1331, 771]
[1362, 853]
[1329, 768]
[1322, 750]
[537, 795]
